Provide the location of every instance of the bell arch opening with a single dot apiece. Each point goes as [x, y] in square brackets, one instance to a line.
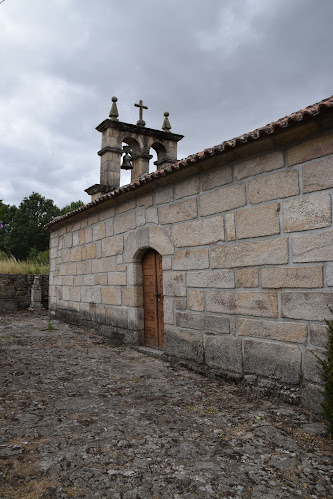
[159, 154]
[130, 146]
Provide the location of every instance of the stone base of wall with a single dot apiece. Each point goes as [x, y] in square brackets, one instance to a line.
[15, 291]
[116, 334]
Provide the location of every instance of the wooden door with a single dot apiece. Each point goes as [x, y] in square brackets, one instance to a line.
[153, 299]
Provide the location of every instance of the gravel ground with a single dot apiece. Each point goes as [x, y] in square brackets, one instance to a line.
[82, 418]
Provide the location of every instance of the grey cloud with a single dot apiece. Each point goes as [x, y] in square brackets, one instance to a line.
[220, 68]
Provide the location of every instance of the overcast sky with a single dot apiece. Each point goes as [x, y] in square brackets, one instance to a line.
[220, 67]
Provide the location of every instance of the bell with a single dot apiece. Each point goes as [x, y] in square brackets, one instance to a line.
[127, 162]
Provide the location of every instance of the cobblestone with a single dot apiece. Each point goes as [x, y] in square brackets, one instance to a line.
[83, 418]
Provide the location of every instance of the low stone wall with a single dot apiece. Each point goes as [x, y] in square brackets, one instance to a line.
[15, 291]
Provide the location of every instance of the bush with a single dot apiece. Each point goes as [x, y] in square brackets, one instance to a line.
[326, 374]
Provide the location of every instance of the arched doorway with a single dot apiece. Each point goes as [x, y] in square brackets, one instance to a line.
[153, 299]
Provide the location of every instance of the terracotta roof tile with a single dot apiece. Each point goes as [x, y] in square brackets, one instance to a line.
[225, 146]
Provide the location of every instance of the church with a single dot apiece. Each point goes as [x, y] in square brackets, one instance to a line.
[222, 261]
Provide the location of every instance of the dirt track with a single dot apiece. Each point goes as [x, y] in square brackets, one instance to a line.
[82, 418]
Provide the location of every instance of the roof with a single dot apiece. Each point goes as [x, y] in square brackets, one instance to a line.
[226, 146]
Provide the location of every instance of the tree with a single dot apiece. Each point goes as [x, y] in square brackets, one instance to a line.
[7, 214]
[71, 207]
[26, 227]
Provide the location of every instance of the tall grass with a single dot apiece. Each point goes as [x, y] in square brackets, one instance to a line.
[9, 265]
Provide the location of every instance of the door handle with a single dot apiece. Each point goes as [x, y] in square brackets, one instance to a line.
[158, 296]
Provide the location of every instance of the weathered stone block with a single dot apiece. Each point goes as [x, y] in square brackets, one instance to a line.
[315, 148]
[103, 265]
[184, 344]
[187, 187]
[311, 364]
[316, 247]
[134, 274]
[117, 316]
[90, 251]
[132, 297]
[164, 195]
[312, 398]
[318, 175]
[125, 222]
[117, 278]
[181, 304]
[130, 248]
[112, 245]
[146, 200]
[196, 300]
[292, 277]
[152, 215]
[191, 259]
[75, 254]
[68, 240]
[109, 227]
[257, 303]
[168, 310]
[177, 212]
[230, 227]
[309, 212]
[216, 178]
[128, 205]
[204, 322]
[174, 284]
[273, 360]
[211, 279]
[225, 199]
[329, 274]
[258, 221]
[250, 253]
[111, 295]
[318, 335]
[260, 164]
[82, 236]
[88, 234]
[160, 241]
[198, 232]
[101, 279]
[91, 294]
[140, 216]
[98, 231]
[274, 186]
[223, 353]
[273, 330]
[247, 278]
[309, 306]
[84, 267]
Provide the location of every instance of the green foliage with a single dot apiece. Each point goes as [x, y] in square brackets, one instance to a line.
[71, 207]
[22, 235]
[50, 326]
[326, 373]
[26, 226]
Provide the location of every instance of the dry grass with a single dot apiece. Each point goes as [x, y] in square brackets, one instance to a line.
[9, 265]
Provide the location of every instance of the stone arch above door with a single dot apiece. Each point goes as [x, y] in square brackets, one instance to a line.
[150, 236]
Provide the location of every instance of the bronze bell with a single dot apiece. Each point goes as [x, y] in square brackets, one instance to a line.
[127, 162]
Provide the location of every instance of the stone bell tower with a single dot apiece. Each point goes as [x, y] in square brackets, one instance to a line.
[136, 156]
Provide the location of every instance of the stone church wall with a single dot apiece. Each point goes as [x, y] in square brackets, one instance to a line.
[247, 246]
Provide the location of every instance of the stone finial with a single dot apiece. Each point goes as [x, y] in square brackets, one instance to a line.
[140, 121]
[114, 111]
[166, 127]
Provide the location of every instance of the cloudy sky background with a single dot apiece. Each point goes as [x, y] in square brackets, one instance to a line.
[220, 67]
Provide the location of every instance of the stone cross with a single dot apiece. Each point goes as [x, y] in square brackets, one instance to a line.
[141, 122]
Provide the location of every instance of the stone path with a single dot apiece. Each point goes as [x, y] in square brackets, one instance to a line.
[82, 418]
